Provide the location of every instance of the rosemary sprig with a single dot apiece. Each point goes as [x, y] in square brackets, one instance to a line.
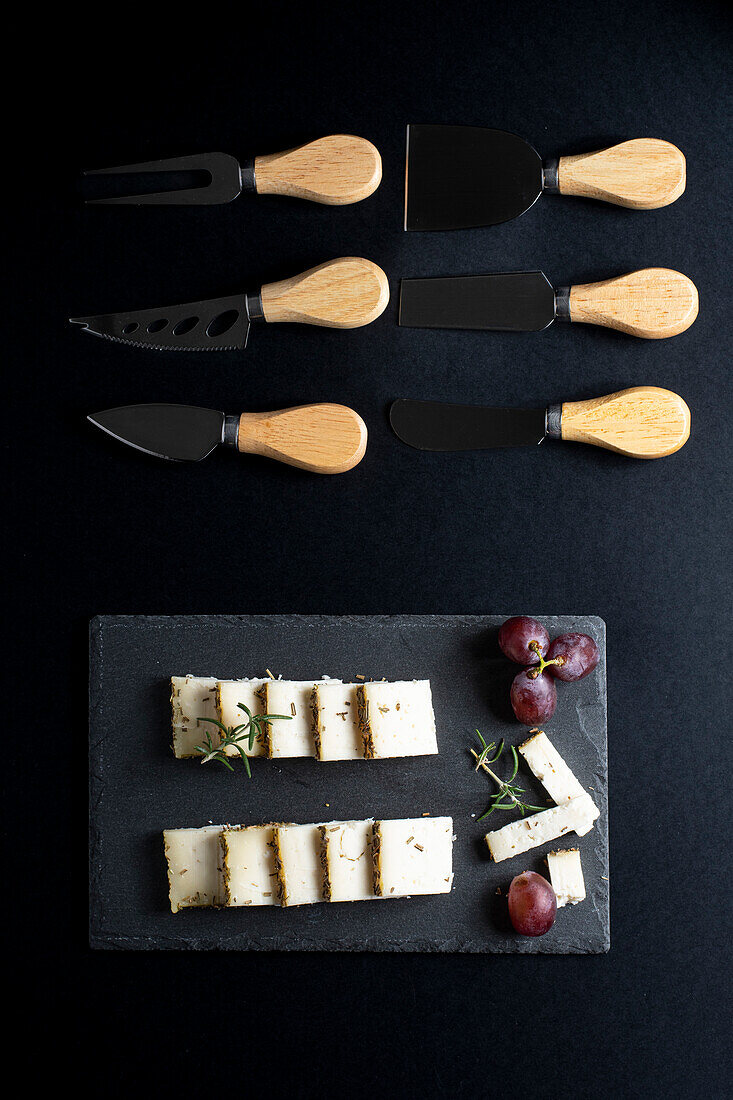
[507, 796]
[235, 736]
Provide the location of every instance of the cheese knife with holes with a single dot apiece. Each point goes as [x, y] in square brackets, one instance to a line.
[653, 303]
[344, 293]
[642, 422]
[460, 177]
[324, 438]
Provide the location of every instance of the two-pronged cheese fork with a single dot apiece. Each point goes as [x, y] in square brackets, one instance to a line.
[335, 170]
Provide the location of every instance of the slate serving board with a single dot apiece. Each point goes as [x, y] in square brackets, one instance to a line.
[137, 787]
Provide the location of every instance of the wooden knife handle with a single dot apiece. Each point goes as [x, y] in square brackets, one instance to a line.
[326, 439]
[645, 173]
[345, 293]
[334, 170]
[644, 422]
[653, 303]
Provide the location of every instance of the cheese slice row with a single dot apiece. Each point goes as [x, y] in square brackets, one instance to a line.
[575, 810]
[325, 718]
[289, 865]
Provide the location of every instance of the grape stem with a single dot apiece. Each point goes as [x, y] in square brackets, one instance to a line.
[537, 670]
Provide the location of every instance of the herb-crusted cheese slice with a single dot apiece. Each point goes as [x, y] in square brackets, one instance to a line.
[192, 698]
[566, 876]
[349, 867]
[229, 693]
[396, 719]
[413, 856]
[575, 816]
[294, 700]
[553, 773]
[336, 722]
[194, 867]
[300, 865]
[248, 861]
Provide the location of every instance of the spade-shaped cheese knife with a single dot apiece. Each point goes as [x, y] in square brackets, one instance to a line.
[458, 177]
[325, 439]
[653, 303]
[344, 293]
[335, 170]
[643, 422]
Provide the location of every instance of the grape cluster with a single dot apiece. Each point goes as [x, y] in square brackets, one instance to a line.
[568, 657]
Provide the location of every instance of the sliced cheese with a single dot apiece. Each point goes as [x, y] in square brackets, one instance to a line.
[566, 876]
[396, 719]
[229, 694]
[413, 856]
[299, 863]
[194, 867]
[576, 816]
[192, 698]
[336, 722]
[248, 864]
[349, 867]
[294, 700]
[553, 773]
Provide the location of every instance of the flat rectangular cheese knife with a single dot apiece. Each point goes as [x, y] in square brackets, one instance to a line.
[324, 438]
[335, 170]
[344, 293]
[653, 303]
[459, 177]
[643, 422]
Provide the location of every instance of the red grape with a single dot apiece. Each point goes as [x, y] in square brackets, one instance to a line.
[580, 656]
[533, 700]
[532, 904]
[516, 634]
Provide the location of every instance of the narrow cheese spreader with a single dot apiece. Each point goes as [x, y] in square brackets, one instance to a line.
[324, 438]
[334, 170]
[653, 303]
[459, 177]
[643, 422]
[344, 293]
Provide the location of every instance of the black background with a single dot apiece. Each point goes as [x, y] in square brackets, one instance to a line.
[98, 528]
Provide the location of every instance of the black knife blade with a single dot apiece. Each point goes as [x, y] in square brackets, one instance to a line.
[459, 177]
[218, 324]
[180, 433]
[521, 301]
[436, 426]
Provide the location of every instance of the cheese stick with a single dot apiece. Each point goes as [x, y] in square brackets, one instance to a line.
[553, 773]
[192, 698]
[396, 719]
[299, 862]
[248, 865]
[413, 856]
[566, 876]
[229, 694]
[349, 867]
[336, 722]
[194, 867]
[576, 816]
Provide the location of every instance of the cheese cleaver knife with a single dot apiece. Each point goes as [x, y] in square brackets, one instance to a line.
[654, 303]
[344, 293]
[643, 422]
[459, 177]
[325, 439]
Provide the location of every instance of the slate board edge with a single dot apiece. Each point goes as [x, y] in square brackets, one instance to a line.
[108, 941]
